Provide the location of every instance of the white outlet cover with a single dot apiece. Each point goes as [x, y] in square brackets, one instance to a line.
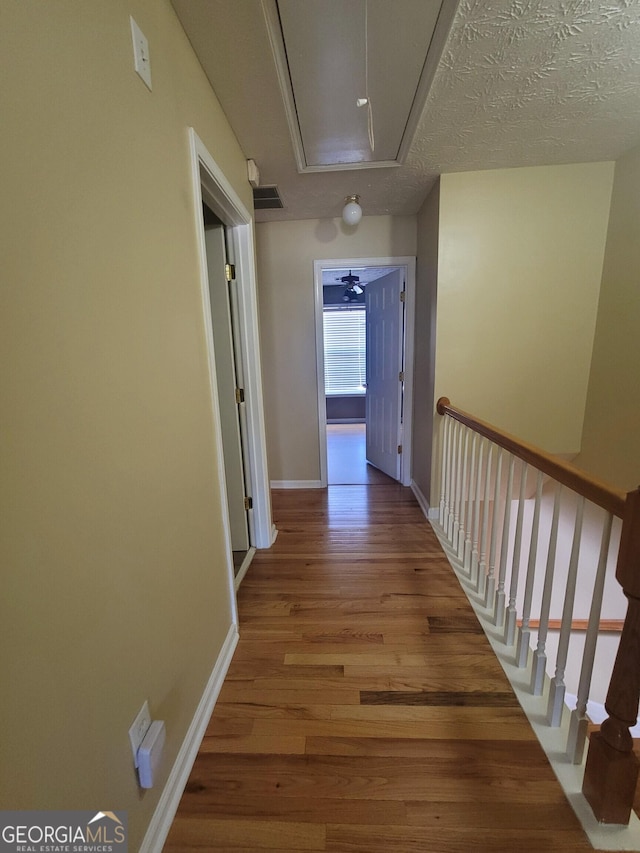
[141, 59]
[138, 730]
[150, 754]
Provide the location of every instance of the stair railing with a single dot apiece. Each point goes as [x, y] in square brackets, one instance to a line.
[481, 466]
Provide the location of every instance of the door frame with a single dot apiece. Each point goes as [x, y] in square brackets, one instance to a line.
[209, 183]
[409, 265]
[228, 379]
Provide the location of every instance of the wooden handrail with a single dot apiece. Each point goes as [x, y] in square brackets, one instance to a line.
[592, 489]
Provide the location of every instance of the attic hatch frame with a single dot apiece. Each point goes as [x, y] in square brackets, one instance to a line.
[439, 38]
[211, 185]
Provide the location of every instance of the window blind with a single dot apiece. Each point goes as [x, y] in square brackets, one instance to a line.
[344, 351]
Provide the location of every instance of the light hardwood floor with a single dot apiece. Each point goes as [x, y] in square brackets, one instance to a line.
[364, 709]
[346, 457]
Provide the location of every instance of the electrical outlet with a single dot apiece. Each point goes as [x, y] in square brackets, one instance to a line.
[141, 59]
[139, 729]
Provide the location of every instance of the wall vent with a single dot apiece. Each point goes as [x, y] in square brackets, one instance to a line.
[267, 198]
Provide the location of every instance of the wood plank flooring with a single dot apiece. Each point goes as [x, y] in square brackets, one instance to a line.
[346, 457]
[364, 709]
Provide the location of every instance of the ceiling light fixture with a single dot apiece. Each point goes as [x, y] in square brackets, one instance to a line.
[352, 212]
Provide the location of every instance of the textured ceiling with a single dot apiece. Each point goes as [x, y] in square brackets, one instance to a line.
[523, 83]
[520, 83]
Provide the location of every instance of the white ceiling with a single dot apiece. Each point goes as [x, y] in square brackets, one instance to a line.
[519, 83]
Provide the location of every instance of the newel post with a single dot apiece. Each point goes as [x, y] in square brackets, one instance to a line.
[611, 773]
[441, 405]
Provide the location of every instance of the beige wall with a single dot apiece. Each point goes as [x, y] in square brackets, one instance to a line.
[425, 338]
[611, 443]
[286, 252]
[113, 581]
[520, 263]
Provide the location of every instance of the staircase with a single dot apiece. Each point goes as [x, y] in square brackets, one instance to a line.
[505, 509]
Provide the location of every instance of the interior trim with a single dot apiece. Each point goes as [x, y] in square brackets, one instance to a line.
[165, 811]
[207, 177]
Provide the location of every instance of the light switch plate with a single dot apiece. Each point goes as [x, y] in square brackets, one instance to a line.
[141, 60]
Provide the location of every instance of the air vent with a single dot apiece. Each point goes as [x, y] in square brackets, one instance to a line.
[267, 198]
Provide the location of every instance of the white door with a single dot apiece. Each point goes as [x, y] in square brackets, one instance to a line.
[385, 313]
[236, 333]
[226, 381]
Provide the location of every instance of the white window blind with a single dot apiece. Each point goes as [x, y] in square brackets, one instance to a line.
[344, 351]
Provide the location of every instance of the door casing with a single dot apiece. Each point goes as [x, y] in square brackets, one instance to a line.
[210, 183]
[408, 265]
[228, 380]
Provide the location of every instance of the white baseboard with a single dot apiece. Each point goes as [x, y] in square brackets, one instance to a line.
[296, 484]
[163, 816]
[274, 533]
[429, 513]
[248, 557]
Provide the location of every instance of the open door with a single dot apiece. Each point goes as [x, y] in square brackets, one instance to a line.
[388, 399]
[384, 358]
[223, 341]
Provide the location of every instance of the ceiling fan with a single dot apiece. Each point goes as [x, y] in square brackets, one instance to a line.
[353, 289]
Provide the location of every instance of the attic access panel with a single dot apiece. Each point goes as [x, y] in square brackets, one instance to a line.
[329, 53]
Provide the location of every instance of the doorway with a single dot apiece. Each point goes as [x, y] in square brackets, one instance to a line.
[234, 236]
[364, 336]
[223, 301]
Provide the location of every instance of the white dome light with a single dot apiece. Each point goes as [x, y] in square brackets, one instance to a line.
[352, 212]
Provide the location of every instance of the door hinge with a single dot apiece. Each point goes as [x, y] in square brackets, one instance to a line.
[401, 376]
[399, 448]
[239, 395]
[402, 295]
[248, 503]
[230, 271]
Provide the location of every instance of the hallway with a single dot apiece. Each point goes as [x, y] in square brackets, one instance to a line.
[364, 709]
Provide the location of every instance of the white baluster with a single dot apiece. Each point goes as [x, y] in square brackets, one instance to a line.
[452, 479]
[472, 473]
[482, 565]
[448, 521]
[511, 611]
[446, 421]
[490, 591]
[524, 635]
[498, 611]
[557, 691]
[476, 515]
[464, 497]
[579, 721]
[540, 656]
[458, 489]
